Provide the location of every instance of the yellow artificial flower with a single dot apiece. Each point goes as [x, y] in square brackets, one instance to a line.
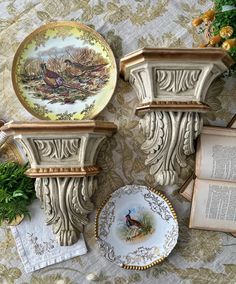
[215, 39]
[229, 43]
[226, 32]
[197, 21]
[208, 16]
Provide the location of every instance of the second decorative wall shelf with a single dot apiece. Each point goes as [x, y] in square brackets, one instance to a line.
[62, 157]
[171, 85]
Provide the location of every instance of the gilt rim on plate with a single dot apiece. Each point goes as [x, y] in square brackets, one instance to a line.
[101, 241]
[53, 25]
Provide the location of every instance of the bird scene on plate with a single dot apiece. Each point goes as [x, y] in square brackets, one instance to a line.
[135, 224]
[64, 72]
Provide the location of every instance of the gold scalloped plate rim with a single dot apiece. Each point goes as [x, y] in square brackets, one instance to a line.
[157, 192]
[31, 36]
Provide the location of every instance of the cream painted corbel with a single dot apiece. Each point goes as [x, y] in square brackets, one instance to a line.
[171, 85]
[62, 158]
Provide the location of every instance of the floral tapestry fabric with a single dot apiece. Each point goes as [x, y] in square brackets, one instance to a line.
[200, 256]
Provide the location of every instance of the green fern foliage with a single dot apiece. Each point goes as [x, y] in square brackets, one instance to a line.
[227, 18]
[16, 191]
[219, 26]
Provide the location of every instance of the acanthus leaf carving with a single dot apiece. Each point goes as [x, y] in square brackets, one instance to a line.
[57, 148]
[62, 157]
[65, 207]
[169, 138]
[177, 81]
[171, 86]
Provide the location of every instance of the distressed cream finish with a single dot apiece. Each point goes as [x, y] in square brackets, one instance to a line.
[169, 139]
[201, 255]
[63, 157]
[171, 85]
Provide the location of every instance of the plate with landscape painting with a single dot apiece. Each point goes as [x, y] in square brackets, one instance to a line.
[136, 227]
[64, 71]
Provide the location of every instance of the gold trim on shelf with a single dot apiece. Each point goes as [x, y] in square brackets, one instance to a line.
[63, 172]
[59, 126]
[172, 105]
[157, 192]
[165, 54]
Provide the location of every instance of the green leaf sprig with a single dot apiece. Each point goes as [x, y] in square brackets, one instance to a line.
[16, 191]
[212, 23]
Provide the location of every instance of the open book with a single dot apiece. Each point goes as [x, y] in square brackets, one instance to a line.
[232, 123]
[214, 188]
[186, 189]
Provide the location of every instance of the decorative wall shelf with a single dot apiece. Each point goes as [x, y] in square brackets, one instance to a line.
[62, 157]
[171, 85]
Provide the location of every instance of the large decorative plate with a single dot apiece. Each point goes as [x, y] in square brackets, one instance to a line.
[64, 70]
[136, 227]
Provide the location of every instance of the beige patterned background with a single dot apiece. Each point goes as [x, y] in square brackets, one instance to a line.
[200, 256]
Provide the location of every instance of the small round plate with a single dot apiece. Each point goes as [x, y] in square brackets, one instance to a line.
[64, 71]
[136, 227]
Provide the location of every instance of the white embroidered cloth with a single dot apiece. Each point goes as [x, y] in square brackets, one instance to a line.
[37, 245]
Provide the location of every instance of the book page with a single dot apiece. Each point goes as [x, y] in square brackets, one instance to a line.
[232, 123]
[186, 189]
[214, 206]
[216, 155]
